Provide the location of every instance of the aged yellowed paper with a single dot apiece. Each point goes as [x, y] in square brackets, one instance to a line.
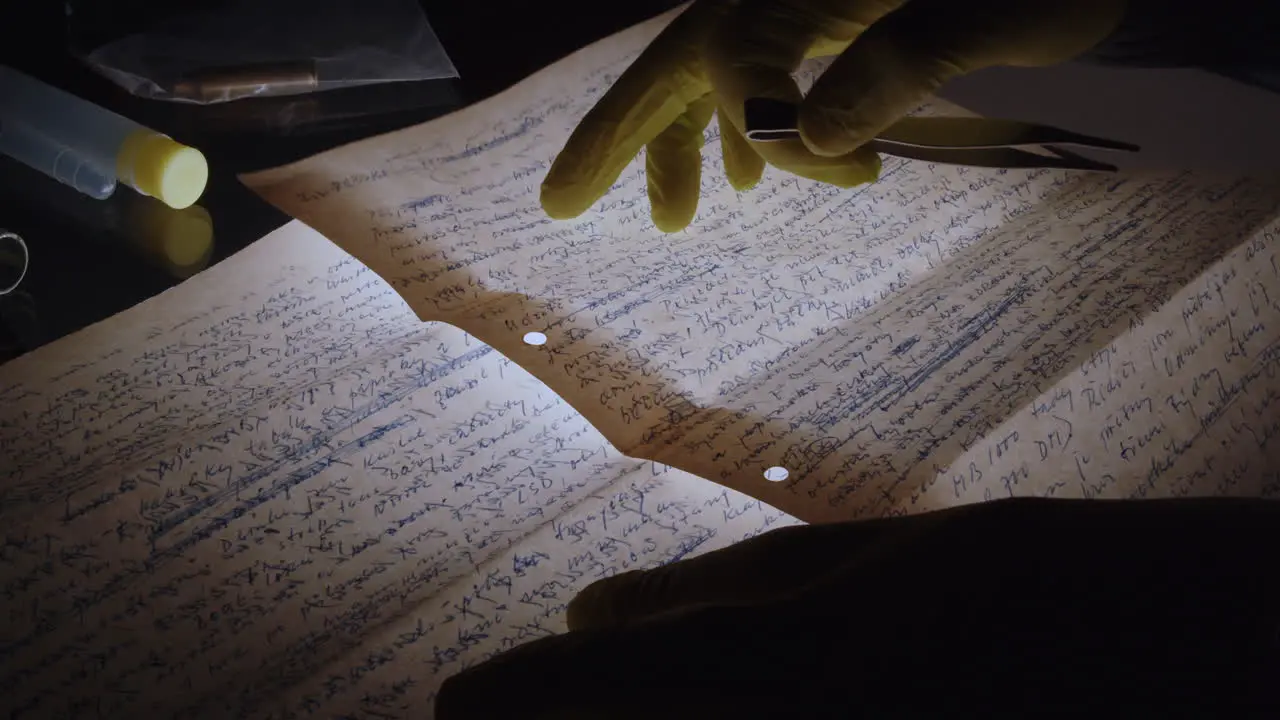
[272, 491]
[942, 336]
[275, 491]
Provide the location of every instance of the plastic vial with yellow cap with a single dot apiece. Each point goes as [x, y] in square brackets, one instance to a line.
[148, 161]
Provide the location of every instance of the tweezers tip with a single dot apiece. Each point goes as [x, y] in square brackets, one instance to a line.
[767, 119]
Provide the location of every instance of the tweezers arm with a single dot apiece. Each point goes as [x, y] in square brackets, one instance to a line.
[995, 157]
[961, 133]
[981, 142]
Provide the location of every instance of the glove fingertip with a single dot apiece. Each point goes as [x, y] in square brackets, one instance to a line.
[671, 220]
[592, 607]
[743, 166]
[743, 170]
[855, 169]
[673, 190]
[451, 702]
[830, 133]
[560, 203]
[741, 184]
[870, 163]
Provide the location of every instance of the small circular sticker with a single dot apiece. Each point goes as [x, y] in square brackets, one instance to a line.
[776, 474]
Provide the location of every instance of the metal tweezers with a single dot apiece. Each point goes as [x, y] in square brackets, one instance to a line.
[978, 142]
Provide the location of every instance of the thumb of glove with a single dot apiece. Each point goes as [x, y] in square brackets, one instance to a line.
[905, 56]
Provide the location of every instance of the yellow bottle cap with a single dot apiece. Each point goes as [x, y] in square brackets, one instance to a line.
[159, 166]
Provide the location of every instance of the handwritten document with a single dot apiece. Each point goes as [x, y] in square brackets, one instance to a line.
[945, 335]
[274, 492]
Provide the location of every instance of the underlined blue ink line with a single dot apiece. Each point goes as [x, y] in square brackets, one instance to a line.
[158, 557]
[385, 399]
[290, 481]
[688, 545]
[892, 388]
[645, 297]
[525, 126]
[861, 191]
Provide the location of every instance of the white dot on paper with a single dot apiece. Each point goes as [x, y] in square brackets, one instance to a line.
[776, 474]
[535, 338]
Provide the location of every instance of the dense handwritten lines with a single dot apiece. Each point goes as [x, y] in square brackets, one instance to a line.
[124, 408]
[1183, 404]
[108, 567]
[351, 471]
[641, 520]
[277, 492]
[863, 339]
[1057, 342]
[944, 335]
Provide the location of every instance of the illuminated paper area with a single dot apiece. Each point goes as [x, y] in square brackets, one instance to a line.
[274, 491]
[945, 335]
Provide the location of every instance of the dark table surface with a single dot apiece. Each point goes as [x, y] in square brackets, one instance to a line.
[83, 265]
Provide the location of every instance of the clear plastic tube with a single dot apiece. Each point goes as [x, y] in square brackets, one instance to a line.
[94, 132]
[40, 152]
[148, 161]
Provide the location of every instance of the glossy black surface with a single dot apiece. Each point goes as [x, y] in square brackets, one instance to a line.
[85, 265]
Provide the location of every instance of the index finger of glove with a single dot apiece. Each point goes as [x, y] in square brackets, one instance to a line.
[759, 43]
[695, 665]
[656, 90]
[771, 567]
[757, 46]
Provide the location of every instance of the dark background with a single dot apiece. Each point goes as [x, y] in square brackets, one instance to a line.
[82, 266]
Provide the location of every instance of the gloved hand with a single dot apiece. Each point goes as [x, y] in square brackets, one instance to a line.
[718, 53]
[1011, 608]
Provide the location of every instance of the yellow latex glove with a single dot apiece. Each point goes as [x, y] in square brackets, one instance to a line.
[718, 53]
